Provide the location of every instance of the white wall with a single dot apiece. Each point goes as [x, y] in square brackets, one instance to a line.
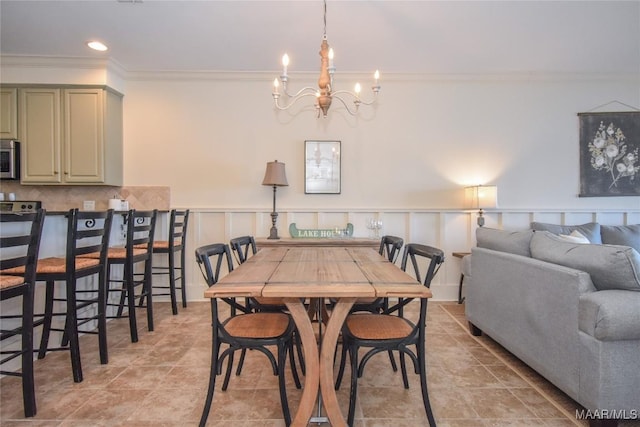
[210, 138]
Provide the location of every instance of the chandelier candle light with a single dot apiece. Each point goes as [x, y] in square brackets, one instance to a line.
[324, 92]
[481, 197]
[275, 175]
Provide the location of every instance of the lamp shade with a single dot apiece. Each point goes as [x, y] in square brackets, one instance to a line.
[275, 175]
[481, 197]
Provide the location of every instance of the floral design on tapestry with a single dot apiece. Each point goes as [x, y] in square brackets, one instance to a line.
[609, 154]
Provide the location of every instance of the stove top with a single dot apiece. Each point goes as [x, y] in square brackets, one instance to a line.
[20, 206]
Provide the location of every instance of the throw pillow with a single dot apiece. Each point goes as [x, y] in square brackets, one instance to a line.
[590, 230]
[626, 235]
[515, 242]
[574, 237]
[610, 266]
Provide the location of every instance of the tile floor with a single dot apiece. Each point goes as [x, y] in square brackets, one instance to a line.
[162, 380]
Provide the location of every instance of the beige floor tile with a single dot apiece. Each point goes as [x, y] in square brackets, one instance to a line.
[109, 405]
[497, 403]
[536, 403]
[169, 405]
[452, 403]
[507, 377]
[162, 380]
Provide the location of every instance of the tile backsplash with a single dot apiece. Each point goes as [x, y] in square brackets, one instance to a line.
[61, 198]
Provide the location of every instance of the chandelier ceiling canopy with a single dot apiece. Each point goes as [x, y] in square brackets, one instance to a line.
[324, 93]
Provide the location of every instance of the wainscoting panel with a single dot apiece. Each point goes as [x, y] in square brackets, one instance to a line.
[450, 230]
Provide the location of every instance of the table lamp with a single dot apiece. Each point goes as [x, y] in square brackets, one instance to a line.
[275, 176]
[481, 197]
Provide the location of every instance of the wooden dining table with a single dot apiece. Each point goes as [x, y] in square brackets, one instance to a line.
[298, 274]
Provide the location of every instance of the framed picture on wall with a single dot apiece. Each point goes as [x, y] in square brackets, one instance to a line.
[322, 167]
[609, 149]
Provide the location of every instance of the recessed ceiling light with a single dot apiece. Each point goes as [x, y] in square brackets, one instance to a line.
[96, 45]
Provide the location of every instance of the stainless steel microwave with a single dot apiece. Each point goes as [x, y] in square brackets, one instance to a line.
[9, 159]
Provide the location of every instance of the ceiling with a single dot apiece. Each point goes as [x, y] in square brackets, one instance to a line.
[393, 36]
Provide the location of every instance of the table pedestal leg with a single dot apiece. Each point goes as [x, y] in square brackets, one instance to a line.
[310, 348]
[319, 373]
[327, 354]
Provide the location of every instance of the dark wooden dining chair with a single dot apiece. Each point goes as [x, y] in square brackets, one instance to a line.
[255, 331]
[20, 246]
[242, 248]
[390, 247]
[138, 250]
[87, 233]
[390, 332]
[174, 247]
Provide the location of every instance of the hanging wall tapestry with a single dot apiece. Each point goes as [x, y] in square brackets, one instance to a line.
[609, 149]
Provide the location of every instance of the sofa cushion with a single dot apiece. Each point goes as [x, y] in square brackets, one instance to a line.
[610, 266]
[590, 230]
[626, 235]
[574, 237]
[515, 242]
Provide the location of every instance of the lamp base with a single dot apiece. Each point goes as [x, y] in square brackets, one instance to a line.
[273, 233]
[480, 219]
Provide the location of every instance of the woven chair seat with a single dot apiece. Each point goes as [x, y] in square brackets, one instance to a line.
[10, 281]
[159, 244]
[258, 325]
[116, 253]
[55, 265]
[378, 326]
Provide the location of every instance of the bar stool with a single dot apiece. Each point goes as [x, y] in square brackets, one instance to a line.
[87, 233]
[26, 243]
[176, 243]
[138, 249]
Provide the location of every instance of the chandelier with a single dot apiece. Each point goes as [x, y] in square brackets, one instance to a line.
[324, 93]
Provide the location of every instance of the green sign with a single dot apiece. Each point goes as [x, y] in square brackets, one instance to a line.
[321, 233]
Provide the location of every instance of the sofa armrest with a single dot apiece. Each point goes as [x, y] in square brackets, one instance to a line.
[610, 315]
[531, 308]
[466, 266]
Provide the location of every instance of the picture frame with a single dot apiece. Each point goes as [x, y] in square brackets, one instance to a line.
[609, 150]
[322, 167]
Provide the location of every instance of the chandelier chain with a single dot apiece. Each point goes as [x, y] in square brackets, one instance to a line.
[325, 20]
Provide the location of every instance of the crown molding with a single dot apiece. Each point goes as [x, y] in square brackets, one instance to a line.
[112, 66]
[30, 61]
[386, 77]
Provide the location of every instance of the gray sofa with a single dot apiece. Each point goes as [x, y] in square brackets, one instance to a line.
[571, 311]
